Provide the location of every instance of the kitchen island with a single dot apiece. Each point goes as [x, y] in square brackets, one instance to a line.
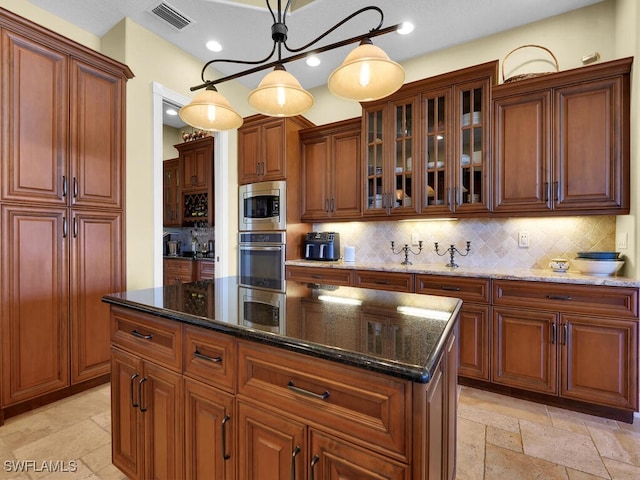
[354, 382]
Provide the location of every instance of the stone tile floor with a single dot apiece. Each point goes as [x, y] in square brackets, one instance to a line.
[498, 438]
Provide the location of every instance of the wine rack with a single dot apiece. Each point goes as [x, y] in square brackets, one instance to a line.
[196, 207]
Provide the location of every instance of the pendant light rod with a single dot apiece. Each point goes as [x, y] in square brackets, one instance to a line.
[279, 36]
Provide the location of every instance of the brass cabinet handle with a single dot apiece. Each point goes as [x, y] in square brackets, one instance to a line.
[64, 185]
[223, 437]
[75, 187]
[65, 227]
[450, 289]
[295, 453]
[554, 333]
[320, 396]
[565, 333]
[202, 356]
[133, 402]
[560, 297]
[137, 334]
[75, 227]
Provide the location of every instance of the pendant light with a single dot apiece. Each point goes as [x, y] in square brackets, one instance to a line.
[280, 95]
[209, 110]
[366, 74]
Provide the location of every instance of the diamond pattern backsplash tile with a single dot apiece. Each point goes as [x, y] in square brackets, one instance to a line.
[494, 242]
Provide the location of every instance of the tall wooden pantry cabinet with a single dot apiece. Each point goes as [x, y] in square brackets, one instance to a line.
[61, 212]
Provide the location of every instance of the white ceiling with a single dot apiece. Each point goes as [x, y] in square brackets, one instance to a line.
[243, 27]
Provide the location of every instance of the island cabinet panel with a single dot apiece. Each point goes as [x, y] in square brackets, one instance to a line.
[210, 357]
[561, 142]
[365, 407]
[576, 342]
[209, 433]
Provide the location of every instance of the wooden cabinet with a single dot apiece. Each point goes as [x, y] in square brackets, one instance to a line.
[178, 270]
[269, 149]
[331, 276]
[475, 320]
[206, 269]
[61, 203]
[561, 142]
[581, 343]
[330, 177]
[171, 210]
[196, 192]
[394, 281]
[147, 405]
[426, 147]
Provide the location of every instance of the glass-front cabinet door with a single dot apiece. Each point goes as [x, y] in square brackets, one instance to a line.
[436, 190]
[472, 125]
[389, 158]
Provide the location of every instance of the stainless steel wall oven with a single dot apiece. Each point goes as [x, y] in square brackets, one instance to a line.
[261, 257]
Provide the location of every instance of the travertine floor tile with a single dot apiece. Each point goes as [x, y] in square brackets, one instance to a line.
[507, 406]
[504, 439]
[505, 464]
[562, 447]
[471, 448]
[621, 470]
[618, 444]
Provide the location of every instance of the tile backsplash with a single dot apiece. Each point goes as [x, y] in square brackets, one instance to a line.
[494, 242]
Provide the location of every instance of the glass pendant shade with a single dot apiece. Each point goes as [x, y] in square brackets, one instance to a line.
[209, 110]
[280, 95]
[366, 74]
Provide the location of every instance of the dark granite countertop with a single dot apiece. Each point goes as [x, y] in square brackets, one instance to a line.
[398, 334]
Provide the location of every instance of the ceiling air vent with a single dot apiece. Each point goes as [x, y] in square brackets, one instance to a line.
[173, 17]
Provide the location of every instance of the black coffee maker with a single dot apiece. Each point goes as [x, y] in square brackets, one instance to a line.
[322, 246]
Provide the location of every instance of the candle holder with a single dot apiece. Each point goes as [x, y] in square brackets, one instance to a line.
[406, 249]
[452, 250]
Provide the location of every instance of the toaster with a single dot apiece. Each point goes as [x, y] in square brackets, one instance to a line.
[322, 246]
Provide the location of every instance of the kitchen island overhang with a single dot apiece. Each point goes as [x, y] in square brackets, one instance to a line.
[374, 369]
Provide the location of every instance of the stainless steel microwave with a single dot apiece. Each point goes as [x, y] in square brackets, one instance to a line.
[262, 206]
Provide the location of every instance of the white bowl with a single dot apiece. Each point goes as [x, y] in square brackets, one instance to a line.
[598, 267]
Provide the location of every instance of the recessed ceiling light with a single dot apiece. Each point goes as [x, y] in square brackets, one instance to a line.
[313, 61]
[405, 28]
[214, 46]
[171, 111]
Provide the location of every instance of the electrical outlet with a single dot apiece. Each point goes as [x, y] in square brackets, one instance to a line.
[621, 242]
[414, 238]
[523, 239]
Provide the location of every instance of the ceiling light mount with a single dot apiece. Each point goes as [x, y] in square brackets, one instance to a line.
[366, 74]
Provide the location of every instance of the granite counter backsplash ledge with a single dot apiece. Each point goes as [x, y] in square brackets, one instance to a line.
[538, 275]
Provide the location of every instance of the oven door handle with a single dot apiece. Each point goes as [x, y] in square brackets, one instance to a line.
[269, 249]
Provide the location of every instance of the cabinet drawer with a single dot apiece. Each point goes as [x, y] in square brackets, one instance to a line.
[147, 336]
[394, 281]
[210, 357]
[365, 407]
[331, 276]
[468, 289]
[206, 270]
[178, 269]
[590, 299]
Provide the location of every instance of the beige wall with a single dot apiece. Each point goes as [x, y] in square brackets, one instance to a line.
[610, 28]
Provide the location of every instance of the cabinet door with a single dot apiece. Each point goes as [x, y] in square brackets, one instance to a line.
[346, 179]
[249, 156]
[209, 433]
[474, 342]
[126, 435]
[375, 197]
[171, 193]
[524, 349]
[96, 137]
[96, 269]
[197, 164]
[588, 143]
[471, 185]
[600, 361]
[270, 446]
[315, 178]
[35, 298]
[35, 119]
[334, 459]
[404, 164]
[522, 153]
[162, 410]
[274, 150]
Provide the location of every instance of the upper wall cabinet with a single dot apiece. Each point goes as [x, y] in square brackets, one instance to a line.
[426, 147]
[196, 193]
[62, 133]
[267, 147]
[330, 174]
[561, 142]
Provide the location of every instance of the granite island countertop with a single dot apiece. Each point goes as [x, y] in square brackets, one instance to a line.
[398, 334]
[538, 275]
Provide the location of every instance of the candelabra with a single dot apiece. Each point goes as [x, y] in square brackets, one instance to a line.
[406, 249]
[452, 250]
